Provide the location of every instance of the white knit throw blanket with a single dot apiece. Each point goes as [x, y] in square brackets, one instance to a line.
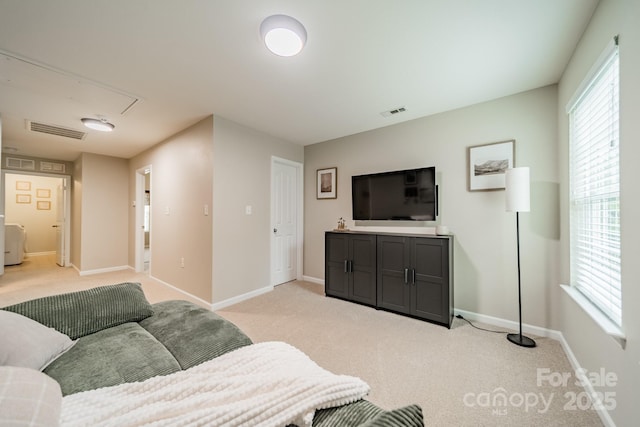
[266, 384]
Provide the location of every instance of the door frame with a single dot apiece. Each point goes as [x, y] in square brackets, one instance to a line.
[66, 182]
[299, 217]
[139, 220]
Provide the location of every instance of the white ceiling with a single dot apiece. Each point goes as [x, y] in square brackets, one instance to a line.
[186, 59]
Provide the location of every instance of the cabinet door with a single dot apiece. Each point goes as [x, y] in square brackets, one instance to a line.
[394, 275]
[336, 275]
[362, 254]
[430, 295]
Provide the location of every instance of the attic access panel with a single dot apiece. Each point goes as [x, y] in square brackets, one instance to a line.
[44, 80]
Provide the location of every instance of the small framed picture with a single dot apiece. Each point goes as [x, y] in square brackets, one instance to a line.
[486, 165]
[23, 185]
[44, 205]
[23, 198]
[327, 183]
[43, 193]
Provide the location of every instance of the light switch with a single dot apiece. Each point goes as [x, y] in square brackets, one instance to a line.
[206, 210]
[166, 210]
[248, 210]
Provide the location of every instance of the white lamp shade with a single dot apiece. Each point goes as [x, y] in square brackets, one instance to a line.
[283, 35]
[517, 189]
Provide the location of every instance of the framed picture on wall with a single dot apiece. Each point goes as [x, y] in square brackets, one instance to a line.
[486, 165]
[43, 193]
[23, 185]
[327, 183]
[23, 198]
[44, 205]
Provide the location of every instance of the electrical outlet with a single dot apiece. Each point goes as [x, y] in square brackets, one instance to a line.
[182, 262]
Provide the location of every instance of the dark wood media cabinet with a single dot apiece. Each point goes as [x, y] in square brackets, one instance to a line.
[408, 274]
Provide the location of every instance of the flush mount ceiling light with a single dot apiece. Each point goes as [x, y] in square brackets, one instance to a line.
[283, 35]
[98, 124]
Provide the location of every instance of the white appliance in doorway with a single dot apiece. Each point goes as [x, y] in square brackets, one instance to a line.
[14, 237]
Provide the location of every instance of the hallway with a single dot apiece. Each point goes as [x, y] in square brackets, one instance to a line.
[40, 276]
[34, 262]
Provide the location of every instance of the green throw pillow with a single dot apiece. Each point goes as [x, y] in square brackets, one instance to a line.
[81, 313]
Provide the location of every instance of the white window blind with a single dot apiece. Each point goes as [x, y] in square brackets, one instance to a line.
[595, 188]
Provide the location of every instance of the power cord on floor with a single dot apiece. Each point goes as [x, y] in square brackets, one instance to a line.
[459, 316]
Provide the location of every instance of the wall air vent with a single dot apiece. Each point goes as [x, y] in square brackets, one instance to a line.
[24, 164]
[393, 112]
[52, 167]
[55, 130]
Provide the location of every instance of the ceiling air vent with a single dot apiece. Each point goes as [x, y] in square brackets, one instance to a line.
[393, 112]
[55, 130]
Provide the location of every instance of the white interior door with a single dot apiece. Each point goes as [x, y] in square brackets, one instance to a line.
[284, 216]
[60, 223]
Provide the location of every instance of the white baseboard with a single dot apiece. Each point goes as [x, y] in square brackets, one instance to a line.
[226, 303]
[202, 302]
[101, 270]
[39, 253]
[541, 332]
[313, 280]
[509, 324]
[588, 387]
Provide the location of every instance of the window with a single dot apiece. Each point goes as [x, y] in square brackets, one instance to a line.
[595, 187]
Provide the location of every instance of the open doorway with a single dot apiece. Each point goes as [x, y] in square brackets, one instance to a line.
[37, 220]
[143, 220]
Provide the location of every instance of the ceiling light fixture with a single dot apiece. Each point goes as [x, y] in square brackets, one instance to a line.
[98, 124]
[283, 35]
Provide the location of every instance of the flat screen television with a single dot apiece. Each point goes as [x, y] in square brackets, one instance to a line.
[406, 195]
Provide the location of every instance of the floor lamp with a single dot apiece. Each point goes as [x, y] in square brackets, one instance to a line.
[517, 200]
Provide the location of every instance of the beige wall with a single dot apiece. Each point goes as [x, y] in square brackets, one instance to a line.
[181, 185]
[226, 166]
[592, 347]
[485, 240]
[41, 236]
[241, 177]
[100, 211]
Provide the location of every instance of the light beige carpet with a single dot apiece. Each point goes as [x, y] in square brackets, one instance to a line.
[460, 377]
[39, 276]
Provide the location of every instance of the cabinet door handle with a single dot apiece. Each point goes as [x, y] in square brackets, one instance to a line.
[413, 273]
[406, 276]
[350, 266]
[346, 266]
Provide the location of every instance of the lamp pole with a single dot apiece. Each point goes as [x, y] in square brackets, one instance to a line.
[518, 200]
[520, 339]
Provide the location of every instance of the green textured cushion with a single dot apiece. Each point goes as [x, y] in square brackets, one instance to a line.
[409, 416]
[365, 414]
[351, 415]
[122, 354]
[77, 314]
[193, 334]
